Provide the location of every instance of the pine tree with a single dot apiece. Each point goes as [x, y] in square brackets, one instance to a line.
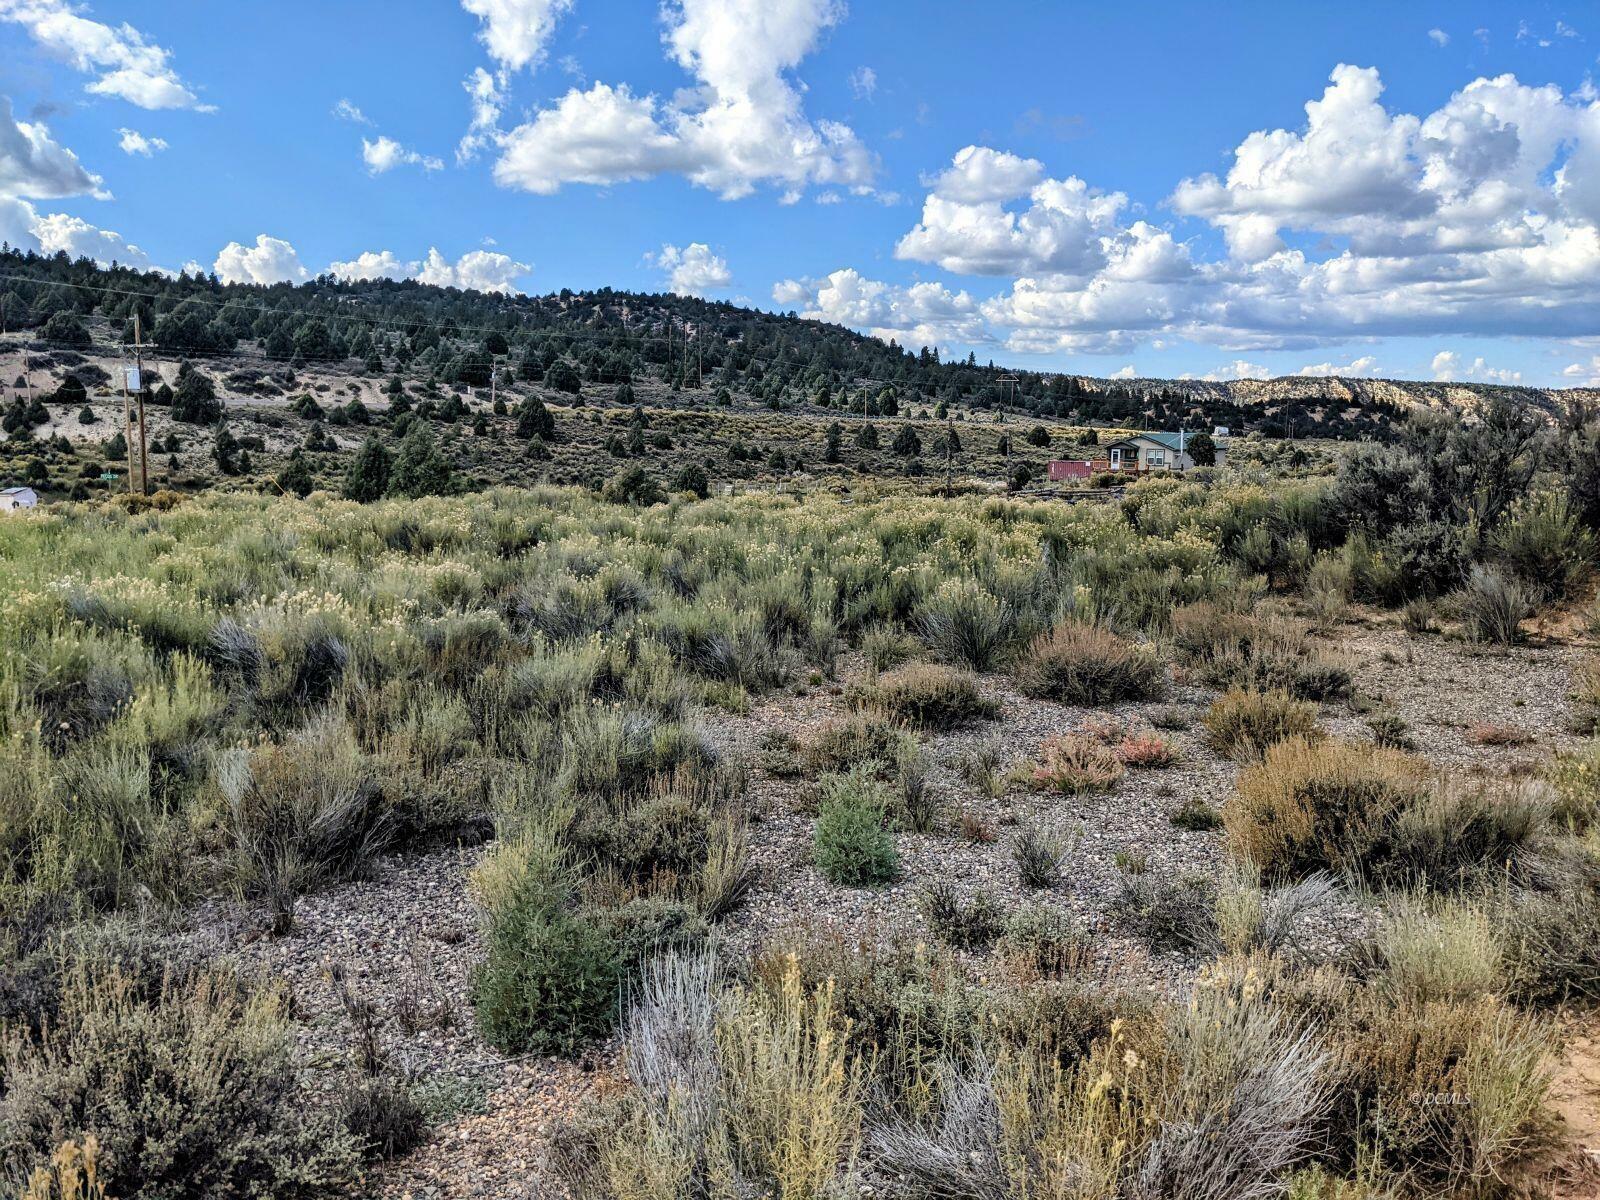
[368, 476]
[534, 420]
[296, 477]
[194, 400]
[223, 448]
[419, 469]
[830, 453]
[906, 443]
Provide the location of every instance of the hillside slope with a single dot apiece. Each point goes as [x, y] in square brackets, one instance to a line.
[264, 347]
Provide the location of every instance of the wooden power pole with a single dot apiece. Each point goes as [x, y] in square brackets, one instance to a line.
[127, 428]
[138, 368]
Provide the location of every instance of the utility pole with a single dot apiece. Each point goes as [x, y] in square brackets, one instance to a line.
[949, 450]
[1011, 382]
[127, 428]
[138, 366]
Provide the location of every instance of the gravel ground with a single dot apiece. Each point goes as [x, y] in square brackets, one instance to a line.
[409, 938]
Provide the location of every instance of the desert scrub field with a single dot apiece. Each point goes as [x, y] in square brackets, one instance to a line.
[869, 841]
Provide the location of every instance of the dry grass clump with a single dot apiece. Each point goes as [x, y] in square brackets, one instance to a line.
[886, 647]
[1446, 1096]
[1196, 816]
[1438, 950]
[1039, 855]
[962, 924]
[1586, 691]
[965, 623]
[1146, 751]
[757, 1085]
[1381, 814]
[1083, 664]
[1309, 804]
[1244, 724]
[1272, 653]
[861, 739]
[73, 1173]
[1487, 733]
[301, 813]
[925, 696]
[1575, 776]
[1076, 764]
[1493, 607]
[1217, 1098]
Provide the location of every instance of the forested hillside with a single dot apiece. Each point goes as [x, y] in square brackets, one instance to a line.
[565, 341]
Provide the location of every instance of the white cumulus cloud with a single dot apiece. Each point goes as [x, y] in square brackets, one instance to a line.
[347, 110]
[692, 270]
[1447, 368]
[385, 154]
[34, 164]
[516, 32]
[923, 314]
[1583, 374]
[1479, 218]
[477, 270]
[1367, 364]
[134, 142]
[126, 63]
[270, 260]
[742, 127]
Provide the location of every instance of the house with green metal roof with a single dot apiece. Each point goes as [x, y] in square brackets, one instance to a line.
[1160, 451]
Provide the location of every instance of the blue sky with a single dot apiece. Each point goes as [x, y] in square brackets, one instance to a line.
[1094, 187]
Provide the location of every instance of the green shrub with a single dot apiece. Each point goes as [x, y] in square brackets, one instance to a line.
[852, 847]
[1038, 856]
[1544, 546]
[1082, 664]
[1493, 607]
[964, 623]
[886, 647]
[926, 696]
[1243, 724]
[188, 1084]
[1196, 816]
[963, 924]
[551, 973]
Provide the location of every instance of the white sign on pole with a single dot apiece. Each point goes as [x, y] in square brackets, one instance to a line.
[133, 378]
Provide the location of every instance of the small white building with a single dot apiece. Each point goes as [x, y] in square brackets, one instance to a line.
[17, 497]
